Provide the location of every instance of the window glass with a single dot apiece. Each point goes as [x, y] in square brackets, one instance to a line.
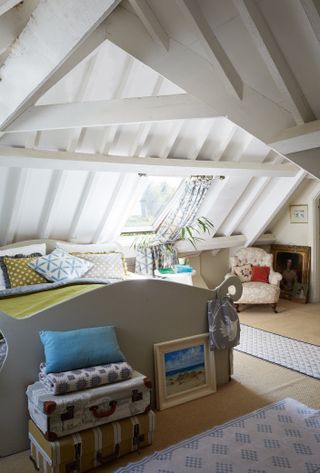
[153, 204]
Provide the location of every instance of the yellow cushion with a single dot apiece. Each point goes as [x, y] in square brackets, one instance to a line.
[20, 274]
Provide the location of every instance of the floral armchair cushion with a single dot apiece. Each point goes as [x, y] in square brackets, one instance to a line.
[243, 272]
[255, 257]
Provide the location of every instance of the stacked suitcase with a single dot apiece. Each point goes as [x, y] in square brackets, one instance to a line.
[75, 432]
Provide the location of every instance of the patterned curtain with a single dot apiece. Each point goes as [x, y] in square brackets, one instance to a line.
[161, 253]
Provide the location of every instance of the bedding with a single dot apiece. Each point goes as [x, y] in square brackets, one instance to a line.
[17, 272]
[88, 247]
[77, 380]
[60, 266]
[24, 250]
[20, 302]
[105, 265]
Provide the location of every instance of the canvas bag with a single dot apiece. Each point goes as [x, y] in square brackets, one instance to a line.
[224, 325]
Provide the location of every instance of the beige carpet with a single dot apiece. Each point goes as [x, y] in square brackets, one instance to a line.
[255, 383]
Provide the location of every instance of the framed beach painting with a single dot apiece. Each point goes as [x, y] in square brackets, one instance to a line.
[184, 370]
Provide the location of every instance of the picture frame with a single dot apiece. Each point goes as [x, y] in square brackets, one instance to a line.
[299, 213]
[184, 370]
[293, 262]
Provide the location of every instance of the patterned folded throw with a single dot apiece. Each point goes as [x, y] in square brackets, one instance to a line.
[77, 380]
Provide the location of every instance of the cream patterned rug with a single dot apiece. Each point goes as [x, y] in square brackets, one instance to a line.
[284, 351]
[283, 436]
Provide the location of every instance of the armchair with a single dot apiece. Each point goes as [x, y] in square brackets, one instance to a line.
[261, 285]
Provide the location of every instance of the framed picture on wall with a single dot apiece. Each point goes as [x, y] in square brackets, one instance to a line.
[184, 370]
[298, 213]
[293, 262]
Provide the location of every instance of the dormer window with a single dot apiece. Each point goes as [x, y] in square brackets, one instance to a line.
[153, 204]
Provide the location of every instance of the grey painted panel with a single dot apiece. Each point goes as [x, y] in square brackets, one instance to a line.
[144, 312]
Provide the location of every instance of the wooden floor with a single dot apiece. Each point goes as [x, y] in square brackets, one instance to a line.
[255, 383]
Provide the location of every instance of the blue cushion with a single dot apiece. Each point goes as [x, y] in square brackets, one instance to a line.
[60, 266]
[80, 348]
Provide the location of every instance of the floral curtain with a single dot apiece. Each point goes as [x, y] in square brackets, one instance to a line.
[160, 252]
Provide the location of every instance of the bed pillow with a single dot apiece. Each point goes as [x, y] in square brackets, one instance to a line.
[60, 266]
[80, 348]
[89, 247]
[20, 250]
[243, 272]
[260, 273]
[105, 265]
[16, 271]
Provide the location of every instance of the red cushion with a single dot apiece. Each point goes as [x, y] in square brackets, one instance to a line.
[260, 273]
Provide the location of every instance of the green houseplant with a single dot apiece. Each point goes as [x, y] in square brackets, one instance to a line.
[191, 233]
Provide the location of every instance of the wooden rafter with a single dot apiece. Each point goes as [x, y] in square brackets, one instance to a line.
[212, 46]
[194, 74]
[274, 59]
[110, 112]
[34, 49]
[22, 157]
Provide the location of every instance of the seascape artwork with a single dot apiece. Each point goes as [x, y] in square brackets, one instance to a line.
[184, 369]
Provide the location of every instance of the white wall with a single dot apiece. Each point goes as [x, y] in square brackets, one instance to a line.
[304, 234]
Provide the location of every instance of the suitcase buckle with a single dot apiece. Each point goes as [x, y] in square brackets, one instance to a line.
[136, 395]
[69, 414]
[74, 467]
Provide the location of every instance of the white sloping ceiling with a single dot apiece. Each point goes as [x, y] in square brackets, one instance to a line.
[207, 83]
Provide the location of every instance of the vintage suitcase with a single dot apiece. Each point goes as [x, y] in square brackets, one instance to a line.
[57, 416]
[89, 448]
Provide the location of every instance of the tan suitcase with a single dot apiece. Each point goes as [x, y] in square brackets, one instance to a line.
[80, 452]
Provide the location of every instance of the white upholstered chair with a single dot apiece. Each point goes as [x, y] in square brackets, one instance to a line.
[255, 292]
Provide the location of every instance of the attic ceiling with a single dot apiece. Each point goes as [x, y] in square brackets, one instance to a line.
[93, 92]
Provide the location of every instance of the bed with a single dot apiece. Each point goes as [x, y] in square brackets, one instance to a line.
[144, 312]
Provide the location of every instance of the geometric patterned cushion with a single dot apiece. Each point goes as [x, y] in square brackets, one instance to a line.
[106, 265]
[60, 266]
[19, 273]
[243, 272]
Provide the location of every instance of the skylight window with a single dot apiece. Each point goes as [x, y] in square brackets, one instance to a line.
[153, 203]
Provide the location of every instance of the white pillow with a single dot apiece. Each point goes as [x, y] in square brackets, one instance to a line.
[20, 250]
[88, 248]
[107, 266]
[60, 266]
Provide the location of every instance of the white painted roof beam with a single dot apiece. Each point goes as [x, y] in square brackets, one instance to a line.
[214, 243]
[274, 59]
[151, 22]
[268, 205]
[13, 22]
[215, 52]
[55, 31]
[298, 138]
[110, 112]
[194, 74]
[312, 10]
[35, 158]
[6, 5]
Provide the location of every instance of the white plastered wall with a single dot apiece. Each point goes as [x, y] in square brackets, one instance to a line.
[307, 234]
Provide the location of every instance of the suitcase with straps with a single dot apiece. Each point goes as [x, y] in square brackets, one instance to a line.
[82, 451]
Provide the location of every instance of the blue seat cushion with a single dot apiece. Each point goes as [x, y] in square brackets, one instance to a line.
[81, 348]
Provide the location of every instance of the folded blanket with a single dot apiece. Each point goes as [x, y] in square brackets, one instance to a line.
[76, 380]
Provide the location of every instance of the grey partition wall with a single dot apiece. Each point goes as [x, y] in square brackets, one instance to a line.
[144, 312]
